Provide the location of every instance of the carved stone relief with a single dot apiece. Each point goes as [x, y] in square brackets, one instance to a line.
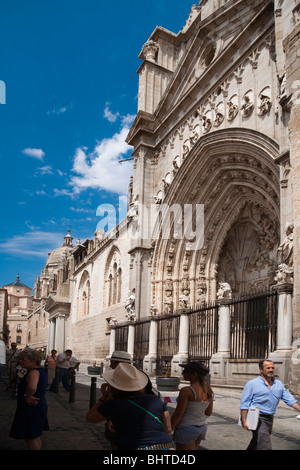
[264, 102]
[232, 108]
[248, 104]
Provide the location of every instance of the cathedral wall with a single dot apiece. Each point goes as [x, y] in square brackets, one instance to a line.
[88, 331]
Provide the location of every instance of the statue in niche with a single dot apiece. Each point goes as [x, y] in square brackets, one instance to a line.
[265, 104]
[153, 310]
[247, 106]
[194, 137]
[168, 310]
[283, 96]
[224, 291]
[158, 198]
[232, 110]
[184, 302]
[286, 247]
[130, 307]
[219, 118]
[206, 124]
[185, 150]
[176, 164]
[133, 208]
[201, 297]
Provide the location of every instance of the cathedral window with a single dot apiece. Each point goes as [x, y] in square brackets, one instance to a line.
[113, 278]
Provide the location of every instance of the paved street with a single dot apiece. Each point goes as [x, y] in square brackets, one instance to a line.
[70, 431]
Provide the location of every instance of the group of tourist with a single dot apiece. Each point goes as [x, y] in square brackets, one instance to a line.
[136, 416]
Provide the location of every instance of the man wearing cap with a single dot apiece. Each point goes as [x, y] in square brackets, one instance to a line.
[119, 356]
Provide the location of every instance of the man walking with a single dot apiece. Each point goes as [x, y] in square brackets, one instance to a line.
[63, 364]
[264, 393]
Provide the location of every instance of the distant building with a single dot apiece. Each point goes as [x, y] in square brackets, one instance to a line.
[51, 292]
[19, 307]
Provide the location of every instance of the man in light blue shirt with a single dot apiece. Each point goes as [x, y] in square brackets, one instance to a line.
[264, 393]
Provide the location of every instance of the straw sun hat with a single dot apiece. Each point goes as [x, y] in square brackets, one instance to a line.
[126, 377]
[121, 356]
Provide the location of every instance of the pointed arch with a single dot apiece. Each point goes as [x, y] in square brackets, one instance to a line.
[233, 174]
[113, 278]
[84, 293]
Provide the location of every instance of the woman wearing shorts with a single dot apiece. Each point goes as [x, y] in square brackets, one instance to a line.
[194, 405]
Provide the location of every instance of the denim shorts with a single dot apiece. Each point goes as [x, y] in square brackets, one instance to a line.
[189, 434]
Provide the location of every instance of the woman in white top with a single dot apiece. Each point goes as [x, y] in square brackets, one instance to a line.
[194, 404]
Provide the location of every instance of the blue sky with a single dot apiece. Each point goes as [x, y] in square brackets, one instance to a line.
[69, 69]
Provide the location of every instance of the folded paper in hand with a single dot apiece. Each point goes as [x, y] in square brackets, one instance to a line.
[252, 418]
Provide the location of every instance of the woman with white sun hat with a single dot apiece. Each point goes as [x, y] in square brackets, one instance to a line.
[141, 421]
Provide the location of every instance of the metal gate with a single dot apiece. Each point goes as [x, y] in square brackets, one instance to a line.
[121, 339]
[167, 342]
[141, 342]
[254, 325]
[203, 333]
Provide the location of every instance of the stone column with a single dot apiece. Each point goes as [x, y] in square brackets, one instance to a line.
[183, 354]
[51, 336]
[282, 355]
[60, 334]
[112, 341]
[130, 342]
[149, 363]
[219, 361]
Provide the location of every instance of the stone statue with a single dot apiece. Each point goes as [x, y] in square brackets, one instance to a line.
[284, 274]
[286, 247]
[224, 291]
[264, 105]
[184, 301]
[232, 110]
[168, 307]
[247, 106]
[153, 310]
[130, 307]
[133, 208]
[112, 321]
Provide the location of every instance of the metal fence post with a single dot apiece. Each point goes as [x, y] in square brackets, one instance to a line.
[93, 392]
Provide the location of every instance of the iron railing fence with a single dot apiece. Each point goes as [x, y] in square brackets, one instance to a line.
[253, 330]
[254, 324]
[141, 342]
[203, 333]
[121, 338]
[167, 342]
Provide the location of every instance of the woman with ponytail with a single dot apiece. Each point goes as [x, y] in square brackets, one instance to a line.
[194, 405]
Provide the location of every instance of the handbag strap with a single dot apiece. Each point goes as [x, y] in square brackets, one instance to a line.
[149, 412]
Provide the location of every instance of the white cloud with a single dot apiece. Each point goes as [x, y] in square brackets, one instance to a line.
[101, 168]
[45, 170]
[111, 117]
[34, 243]
[61, 110]
[34, 153]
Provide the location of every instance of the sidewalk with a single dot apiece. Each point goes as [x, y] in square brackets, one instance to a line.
[70, 431]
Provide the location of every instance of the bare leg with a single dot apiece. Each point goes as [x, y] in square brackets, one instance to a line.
[185, 446]
[34, 444]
